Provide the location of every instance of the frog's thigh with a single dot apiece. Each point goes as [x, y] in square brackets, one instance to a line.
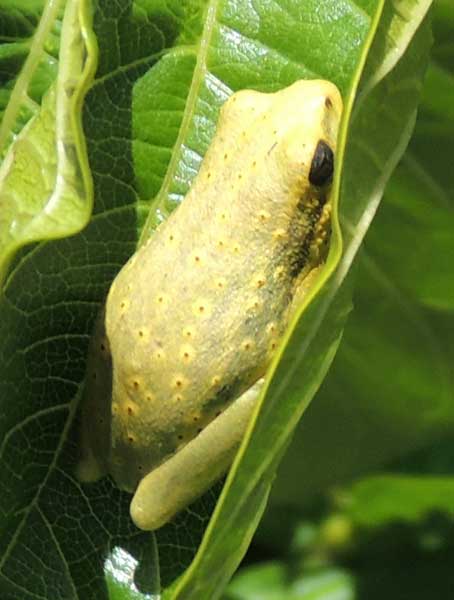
[190, 472]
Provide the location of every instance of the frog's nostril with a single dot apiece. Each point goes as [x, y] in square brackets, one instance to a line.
[328, 102]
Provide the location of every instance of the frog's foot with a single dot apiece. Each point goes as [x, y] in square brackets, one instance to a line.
[88, 469]
[94, 434]
[194, 469]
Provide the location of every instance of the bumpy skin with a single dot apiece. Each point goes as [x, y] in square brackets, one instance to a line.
[194, 317]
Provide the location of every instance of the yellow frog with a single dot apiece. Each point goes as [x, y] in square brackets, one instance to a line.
[193, 319]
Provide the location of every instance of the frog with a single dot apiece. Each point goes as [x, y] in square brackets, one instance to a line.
[194, 318]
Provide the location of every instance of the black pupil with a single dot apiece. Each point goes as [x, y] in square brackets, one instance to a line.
[322, 166]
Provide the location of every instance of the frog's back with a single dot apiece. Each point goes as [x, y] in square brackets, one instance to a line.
[194, 317]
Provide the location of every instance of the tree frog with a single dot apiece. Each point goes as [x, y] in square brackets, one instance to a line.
[192, 321]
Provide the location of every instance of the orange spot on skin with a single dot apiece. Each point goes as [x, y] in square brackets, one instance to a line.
[180, 382]
[187, 353]
[279, 272]
[271, 328]
[259, 281]
[279, 234]
[159, 354]
[202, 307]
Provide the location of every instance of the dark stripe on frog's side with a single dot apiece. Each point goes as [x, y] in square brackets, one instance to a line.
[222, 398]
[212, 408]
[299, 254]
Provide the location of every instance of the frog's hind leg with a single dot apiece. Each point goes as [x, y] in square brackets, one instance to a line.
[196, 467]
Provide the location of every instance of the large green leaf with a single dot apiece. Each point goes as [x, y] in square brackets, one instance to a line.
[164, 70]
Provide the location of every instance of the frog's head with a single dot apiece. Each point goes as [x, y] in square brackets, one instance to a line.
[313, 110]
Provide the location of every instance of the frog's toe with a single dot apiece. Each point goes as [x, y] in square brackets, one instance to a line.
[88, 469]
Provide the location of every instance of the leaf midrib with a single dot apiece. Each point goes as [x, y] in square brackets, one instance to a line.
[200, 70]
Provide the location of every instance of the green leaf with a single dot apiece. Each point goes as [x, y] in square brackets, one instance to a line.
[28, 61]
[45, 183]
[164, 70]
[419, 201]
[273, 581]
[377, 501]
[404, 576]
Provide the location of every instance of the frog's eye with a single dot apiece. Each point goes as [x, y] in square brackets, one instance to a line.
[322, 165]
